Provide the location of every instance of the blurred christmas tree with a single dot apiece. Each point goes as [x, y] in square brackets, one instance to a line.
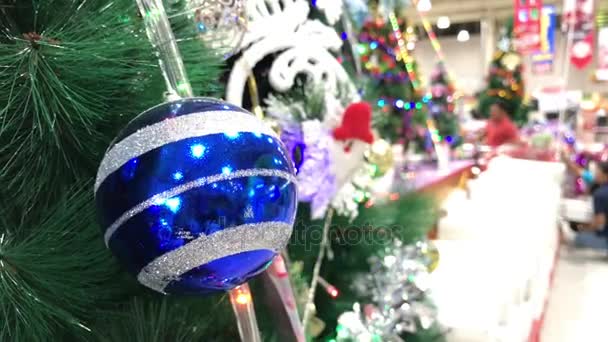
[441, 106]
[394, 85]
[505, 81]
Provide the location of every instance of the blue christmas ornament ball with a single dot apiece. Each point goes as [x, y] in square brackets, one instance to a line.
[196, 196]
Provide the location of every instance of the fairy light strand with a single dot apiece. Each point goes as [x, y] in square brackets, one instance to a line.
[403, 55]
[434, 41]
[409, 67]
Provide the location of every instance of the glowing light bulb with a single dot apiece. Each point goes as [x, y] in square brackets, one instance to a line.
[173, 204]
[424, 5]
[463, 36]
[333, 291]
[443, 22]
[197, 150]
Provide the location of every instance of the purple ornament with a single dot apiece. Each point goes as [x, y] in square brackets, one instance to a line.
[316, 182]
[569, 139]
[581, 160]
[291, 136]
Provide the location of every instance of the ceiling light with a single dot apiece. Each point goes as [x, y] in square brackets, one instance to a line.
[463, 36]
[443, 22]
[424, 5]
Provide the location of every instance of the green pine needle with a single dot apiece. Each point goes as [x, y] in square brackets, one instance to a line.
[71, 74]
[161, 319]
[407, 219]
[306, 101]
[52, 272]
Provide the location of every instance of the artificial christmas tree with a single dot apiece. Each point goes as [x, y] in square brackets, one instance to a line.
[394, 85]
[505, 81]
[74, 72]
[441, 106]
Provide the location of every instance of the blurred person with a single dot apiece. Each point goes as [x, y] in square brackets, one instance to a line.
[585, 174]
[594, 234]
[500, 129]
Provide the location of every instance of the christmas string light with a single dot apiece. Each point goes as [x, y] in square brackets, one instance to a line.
[432, 37]
[331, 290]
[243, 298]
[434, 41]
[407, 60]
[242, 305]
[403, 55]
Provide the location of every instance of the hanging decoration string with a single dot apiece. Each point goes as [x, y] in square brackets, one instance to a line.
[434, 41]
[352, 40]
[252, 85]
[160, 34]
[242, 305]
[170, 60]
[405, 57]
[281, 300]
[317, 269]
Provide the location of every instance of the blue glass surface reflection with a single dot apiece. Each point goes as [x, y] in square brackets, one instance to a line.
[197, 150]
[197, 209]
[155, 170]
[205, 210]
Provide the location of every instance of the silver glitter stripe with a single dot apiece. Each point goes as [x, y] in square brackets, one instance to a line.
[159, 198]
[176, 129]
[249, 237]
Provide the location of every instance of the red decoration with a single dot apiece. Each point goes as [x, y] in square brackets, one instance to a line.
[527, 25]
[579, 17]
[581, 54]
[333, 291]
[356, 123]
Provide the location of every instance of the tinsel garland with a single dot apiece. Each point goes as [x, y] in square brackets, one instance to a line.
[397, 287]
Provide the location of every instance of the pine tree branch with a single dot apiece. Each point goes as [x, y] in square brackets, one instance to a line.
[53, 272]
[175, 319]
[69, 82]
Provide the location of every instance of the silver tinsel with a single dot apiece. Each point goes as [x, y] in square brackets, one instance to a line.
[397, 287]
